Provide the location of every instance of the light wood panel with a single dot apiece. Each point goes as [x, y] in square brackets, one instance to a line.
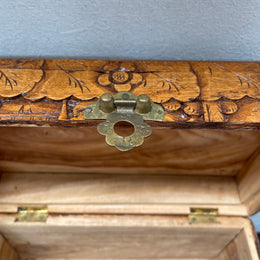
[124, 259]
[117, 193]
[6, 251]
[237, 249]
[122, 237]
[185, 151]
[249, 184]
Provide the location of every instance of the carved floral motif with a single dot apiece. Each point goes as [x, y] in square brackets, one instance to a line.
[195, 91]
[120, 77]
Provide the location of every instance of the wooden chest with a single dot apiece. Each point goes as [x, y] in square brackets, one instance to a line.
[185, 193]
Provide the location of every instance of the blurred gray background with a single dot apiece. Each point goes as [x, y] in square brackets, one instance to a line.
[132, 29]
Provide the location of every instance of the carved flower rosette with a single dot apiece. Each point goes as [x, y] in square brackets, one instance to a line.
[121, 77]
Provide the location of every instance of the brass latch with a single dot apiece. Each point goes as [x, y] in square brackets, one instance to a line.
[203, 215]
[124, 107]
[31, 214]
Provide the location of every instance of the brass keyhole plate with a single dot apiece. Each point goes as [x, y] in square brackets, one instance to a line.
[124, 107]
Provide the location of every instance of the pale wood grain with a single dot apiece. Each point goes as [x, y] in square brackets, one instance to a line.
[123, 237]
[174, 151]
[121, 259]
[249, 184]
[6, 251]
[117, 193]
[237, 249]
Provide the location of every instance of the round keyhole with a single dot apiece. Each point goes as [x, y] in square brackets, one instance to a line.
[124, 128]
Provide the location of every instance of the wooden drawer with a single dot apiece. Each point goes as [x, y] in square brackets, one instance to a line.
[185, 193]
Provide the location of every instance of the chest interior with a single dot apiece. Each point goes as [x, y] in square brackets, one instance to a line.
[105, 204]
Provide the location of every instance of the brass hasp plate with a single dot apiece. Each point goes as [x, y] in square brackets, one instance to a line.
[124, 107]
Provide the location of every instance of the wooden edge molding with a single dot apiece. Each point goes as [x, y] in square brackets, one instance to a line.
[202, 94]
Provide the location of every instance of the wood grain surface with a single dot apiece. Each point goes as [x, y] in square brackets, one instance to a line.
[171, 151]
[120, 193]
[249, 184]
[126, 237]
[57, 91]
[6, 251]
[237, 248]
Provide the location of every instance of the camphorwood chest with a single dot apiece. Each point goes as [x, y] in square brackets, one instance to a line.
[185, 193]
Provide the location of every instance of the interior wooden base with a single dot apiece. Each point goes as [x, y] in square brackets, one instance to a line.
[125, 216]
[130, 237]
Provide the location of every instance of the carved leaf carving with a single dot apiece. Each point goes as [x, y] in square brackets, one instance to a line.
[21, 64]
[172, 105]
[167, 85]
[63, 83]
[26, 110]
[213, 112]
[228, 107]
[229, 81]
[193, 108]
[14, 82]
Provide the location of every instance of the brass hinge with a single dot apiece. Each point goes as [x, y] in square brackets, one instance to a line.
[203, 215]
[32, 214]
